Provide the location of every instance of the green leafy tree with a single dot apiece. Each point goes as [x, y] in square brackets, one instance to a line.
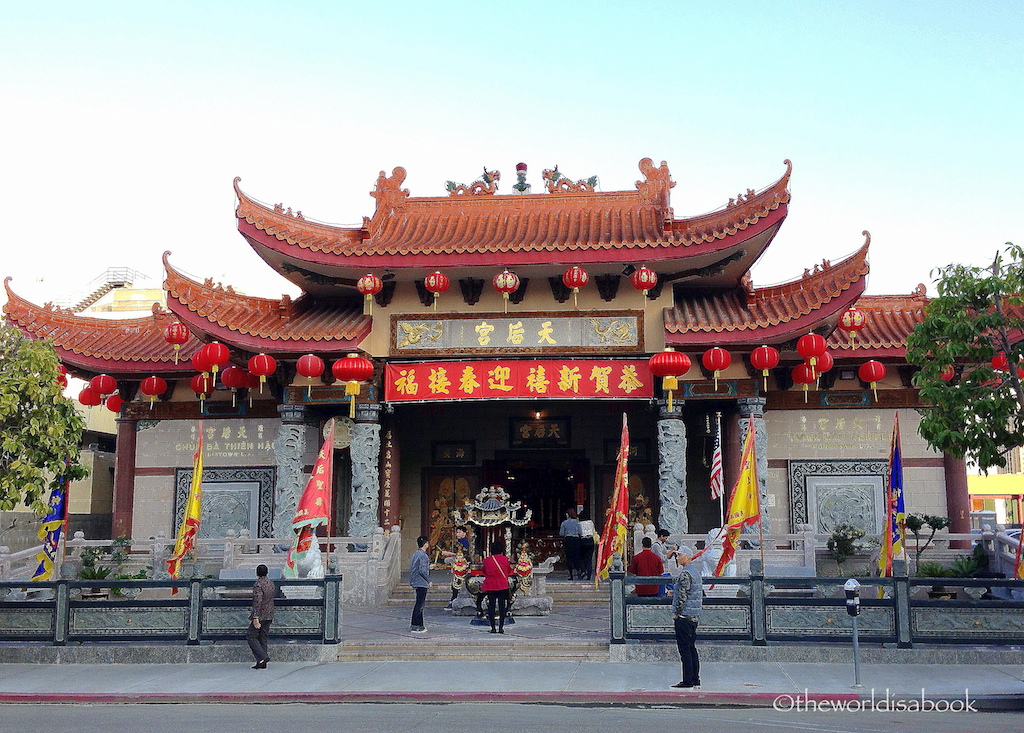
[975, 410]
[40, 430]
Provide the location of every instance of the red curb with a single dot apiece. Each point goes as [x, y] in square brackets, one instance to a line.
[711, 699]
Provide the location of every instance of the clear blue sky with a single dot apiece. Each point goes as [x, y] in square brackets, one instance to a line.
[123, 123]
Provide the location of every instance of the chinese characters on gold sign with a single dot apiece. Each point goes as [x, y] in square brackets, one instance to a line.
[608, 331]
[551, 378]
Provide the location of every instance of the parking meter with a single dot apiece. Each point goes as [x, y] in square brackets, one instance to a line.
[852, 588]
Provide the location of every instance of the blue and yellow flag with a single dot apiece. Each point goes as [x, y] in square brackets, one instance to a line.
[896, 513]
[50, 531]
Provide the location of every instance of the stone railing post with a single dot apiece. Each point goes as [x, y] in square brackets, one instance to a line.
[332, 609]
[5, 562]
[808, 545]
[62, 613]
[901, 604]
[617, 598]
[229, 549]
[758, 613]
[195, 609]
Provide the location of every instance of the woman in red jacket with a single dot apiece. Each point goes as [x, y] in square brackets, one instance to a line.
[497, 570]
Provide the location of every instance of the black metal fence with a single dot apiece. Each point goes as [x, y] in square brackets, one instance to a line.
[188, 610]
[901, 611]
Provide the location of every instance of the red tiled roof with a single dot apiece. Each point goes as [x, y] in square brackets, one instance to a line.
[262, 324]
[98, 345]
[589, 226]
[772, 314]
[889, 319]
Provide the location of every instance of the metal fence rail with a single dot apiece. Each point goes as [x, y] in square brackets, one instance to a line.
[779, 609]
[202, 609]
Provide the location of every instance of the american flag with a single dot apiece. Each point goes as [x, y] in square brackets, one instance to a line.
[717, 482]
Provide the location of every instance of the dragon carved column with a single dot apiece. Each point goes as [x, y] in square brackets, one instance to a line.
[754, 407]
[289, 450]
[365, 450]
[672, 468]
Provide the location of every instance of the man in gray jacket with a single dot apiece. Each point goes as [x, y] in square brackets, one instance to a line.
[419, 579]
[261, 616]
[687, 603]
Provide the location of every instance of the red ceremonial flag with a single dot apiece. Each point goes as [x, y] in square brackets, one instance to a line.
[314, 507]
[613, 539]
[744, 502]
[193, 513]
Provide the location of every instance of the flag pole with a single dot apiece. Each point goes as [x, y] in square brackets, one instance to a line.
[757, 493]
[721, 496]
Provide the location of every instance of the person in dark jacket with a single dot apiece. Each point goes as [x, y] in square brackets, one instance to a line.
[260, 617]
[497, 570]
[687, 603]
[570, 533]
[419, 579]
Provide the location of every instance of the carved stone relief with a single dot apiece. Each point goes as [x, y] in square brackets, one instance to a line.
[233, 498]
[826, 493]
[289, 449]
[672, 475]
[365, 450]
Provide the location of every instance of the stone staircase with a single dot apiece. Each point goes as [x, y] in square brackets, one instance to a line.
[557, 637]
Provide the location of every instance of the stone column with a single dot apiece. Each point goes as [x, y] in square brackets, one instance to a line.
[124, 478]
[672, 468]
[958, 502]
[365, 449]
[754, 406]
[289, 451]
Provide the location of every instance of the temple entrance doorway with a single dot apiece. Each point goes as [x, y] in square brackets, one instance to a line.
[547, 482]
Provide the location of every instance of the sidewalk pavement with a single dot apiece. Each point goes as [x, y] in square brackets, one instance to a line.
[741, 684]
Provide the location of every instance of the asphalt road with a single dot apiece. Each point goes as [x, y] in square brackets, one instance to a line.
[493, 718]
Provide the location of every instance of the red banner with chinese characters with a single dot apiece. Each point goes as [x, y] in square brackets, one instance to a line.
[531, 378]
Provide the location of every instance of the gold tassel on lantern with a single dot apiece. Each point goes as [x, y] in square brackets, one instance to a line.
[352, 389]
[670, 384]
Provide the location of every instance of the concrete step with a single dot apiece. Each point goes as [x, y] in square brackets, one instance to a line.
[502, 648]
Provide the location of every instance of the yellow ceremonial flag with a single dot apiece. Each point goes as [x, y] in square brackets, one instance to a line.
[613, 539]
[744, 502]
[193, 511]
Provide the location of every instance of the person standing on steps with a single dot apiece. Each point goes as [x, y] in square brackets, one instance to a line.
[260, 617]
[497, 570]
[587, 544]
[570, 532]
[419, 579]
[687, 603]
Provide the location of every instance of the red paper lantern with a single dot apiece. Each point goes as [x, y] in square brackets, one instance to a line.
[1000, 362]
[716, 359]
[114, 403]
[152, 387]
[62, 370]
[644, 279]
[310, 367]
[852, 321]
[872, 372]
[825, 363]
[235, 378]
[103, 385]
[202, 385]
[369, 285]
[436, 282]
[506, 283]
[88, 397]
[803, 374]
[352, 370]
[948, 373]
[216, 354]
[575, 277]
[764, 358]
[811, 346]
[62, 376]
[176, 334]
[199, 362]
[262, 366]
[669, 365]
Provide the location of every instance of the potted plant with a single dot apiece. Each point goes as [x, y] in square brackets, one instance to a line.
[936, 570]
[92, 570]
[916, 522]
[844, 543]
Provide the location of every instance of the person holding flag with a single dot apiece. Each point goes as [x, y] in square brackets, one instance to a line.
[313, 511]
[613, 538]
[189, 529]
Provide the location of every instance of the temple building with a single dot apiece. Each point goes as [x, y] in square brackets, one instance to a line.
[505, 335]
